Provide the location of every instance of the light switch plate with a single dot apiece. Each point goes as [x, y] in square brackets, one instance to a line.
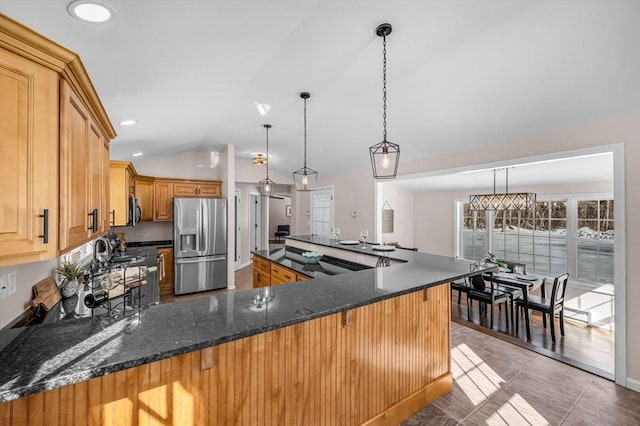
[354, 214]
[12, 282]
[4, 291]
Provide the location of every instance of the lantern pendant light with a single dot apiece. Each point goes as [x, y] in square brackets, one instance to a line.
[305, 178]
[384, 155]
[267, 186]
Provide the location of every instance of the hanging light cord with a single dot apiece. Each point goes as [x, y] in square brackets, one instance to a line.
[267, 130]
[384, 87]
[305, 136]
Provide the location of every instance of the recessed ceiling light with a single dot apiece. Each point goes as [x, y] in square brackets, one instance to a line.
[127, 122]
[138, 154]
[90, 11]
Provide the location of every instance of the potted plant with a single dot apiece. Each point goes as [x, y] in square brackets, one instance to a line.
[491, 259]
[71, 272]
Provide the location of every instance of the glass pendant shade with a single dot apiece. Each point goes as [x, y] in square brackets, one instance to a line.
[266, 186]
[304, 178]
[384, 159]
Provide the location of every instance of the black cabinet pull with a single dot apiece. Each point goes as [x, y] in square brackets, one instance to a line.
[45, 228]
[94, 220]
[113, 220]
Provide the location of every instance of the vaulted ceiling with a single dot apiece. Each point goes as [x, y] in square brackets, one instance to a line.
[461, 74]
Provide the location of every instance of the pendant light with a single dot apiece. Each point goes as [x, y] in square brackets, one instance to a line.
[506, 201]
[267, 186]
[305, 178]
[384, 155]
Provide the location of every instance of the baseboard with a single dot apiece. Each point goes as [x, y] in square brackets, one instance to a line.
[633, 384]
[402, 410]
[244, 265]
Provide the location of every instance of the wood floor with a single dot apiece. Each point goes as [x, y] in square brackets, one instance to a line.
[588, 348]
[498, 383]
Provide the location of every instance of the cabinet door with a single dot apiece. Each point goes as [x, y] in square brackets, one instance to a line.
[74, 169]
[105, 216]
[185, 189]
[163, 194]
[166, 283]
[260, 279]
[28, 160]
[144, 194]
[120, 181]
[96, 182]
[212, 190]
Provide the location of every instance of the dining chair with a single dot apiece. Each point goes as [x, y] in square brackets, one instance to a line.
[460, 286]
[548, 306]
[486, 296]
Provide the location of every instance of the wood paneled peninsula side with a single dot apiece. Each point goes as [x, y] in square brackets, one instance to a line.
[361, 347]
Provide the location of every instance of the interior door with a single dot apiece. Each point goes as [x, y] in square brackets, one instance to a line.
[322, 212]
[255, 210]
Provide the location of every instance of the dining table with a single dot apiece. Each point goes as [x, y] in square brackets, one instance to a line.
[524, 282]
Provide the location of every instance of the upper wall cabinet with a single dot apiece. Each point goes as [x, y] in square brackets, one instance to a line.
[144, 193]
[28, 160]
[54, 149]
[121, 177]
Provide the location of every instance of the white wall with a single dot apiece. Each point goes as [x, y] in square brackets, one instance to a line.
[27, 275]
[196, 164]
[401, 201]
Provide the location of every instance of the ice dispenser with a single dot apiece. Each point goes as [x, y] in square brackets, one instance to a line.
[187, 242]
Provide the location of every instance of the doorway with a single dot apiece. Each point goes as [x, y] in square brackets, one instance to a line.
[238, 241]
[322, 212]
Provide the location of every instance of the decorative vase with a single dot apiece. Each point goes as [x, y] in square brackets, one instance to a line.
[69, 288]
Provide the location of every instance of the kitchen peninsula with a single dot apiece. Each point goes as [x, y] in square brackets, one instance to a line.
[368, 346]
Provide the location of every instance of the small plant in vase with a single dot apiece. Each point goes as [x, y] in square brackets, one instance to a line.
[491, 259]
[71, 272]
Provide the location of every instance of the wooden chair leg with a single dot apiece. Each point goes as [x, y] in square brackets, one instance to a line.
[562, 322]
[551, 326]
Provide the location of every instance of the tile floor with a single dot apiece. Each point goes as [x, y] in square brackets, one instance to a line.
[498, 383]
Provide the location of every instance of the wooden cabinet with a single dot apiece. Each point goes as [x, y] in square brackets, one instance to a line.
[28, 160]
[54, 142]
[185, 188]
[165, 189]
[163, 196]
[266, 273]
[83, 185]
[166, 266]
[145, 194]
[121, 188]
[261, 272]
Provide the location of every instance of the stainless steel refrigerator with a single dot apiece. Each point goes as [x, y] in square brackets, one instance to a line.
[199, 244]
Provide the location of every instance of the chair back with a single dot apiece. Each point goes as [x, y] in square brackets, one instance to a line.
[514, 265]
[559, 287]
[283, 228]
[477, 282]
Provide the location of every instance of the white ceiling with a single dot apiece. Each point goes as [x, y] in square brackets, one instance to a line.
[461, 73]
[522, 176]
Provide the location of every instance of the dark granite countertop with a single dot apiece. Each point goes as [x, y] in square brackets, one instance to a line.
[161, 243]
[291, 257]
[401, 255]
[42, 357]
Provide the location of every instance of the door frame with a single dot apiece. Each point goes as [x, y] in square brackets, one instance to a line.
[331, 190]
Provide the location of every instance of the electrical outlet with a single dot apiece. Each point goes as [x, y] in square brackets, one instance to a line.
[12, 282]
[4, 291]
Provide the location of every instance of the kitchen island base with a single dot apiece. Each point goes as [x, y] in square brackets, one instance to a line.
[374, 364]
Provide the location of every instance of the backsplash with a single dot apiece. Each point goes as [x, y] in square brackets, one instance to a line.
[147, 231]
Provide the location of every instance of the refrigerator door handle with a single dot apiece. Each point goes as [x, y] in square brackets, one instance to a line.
[200, 259]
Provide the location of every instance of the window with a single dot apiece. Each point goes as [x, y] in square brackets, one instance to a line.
[541, 238]
[473, 234]
[594, 242]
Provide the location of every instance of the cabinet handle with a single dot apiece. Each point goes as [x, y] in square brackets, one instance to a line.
[113, 215]
[94, 220]
[45, 227]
